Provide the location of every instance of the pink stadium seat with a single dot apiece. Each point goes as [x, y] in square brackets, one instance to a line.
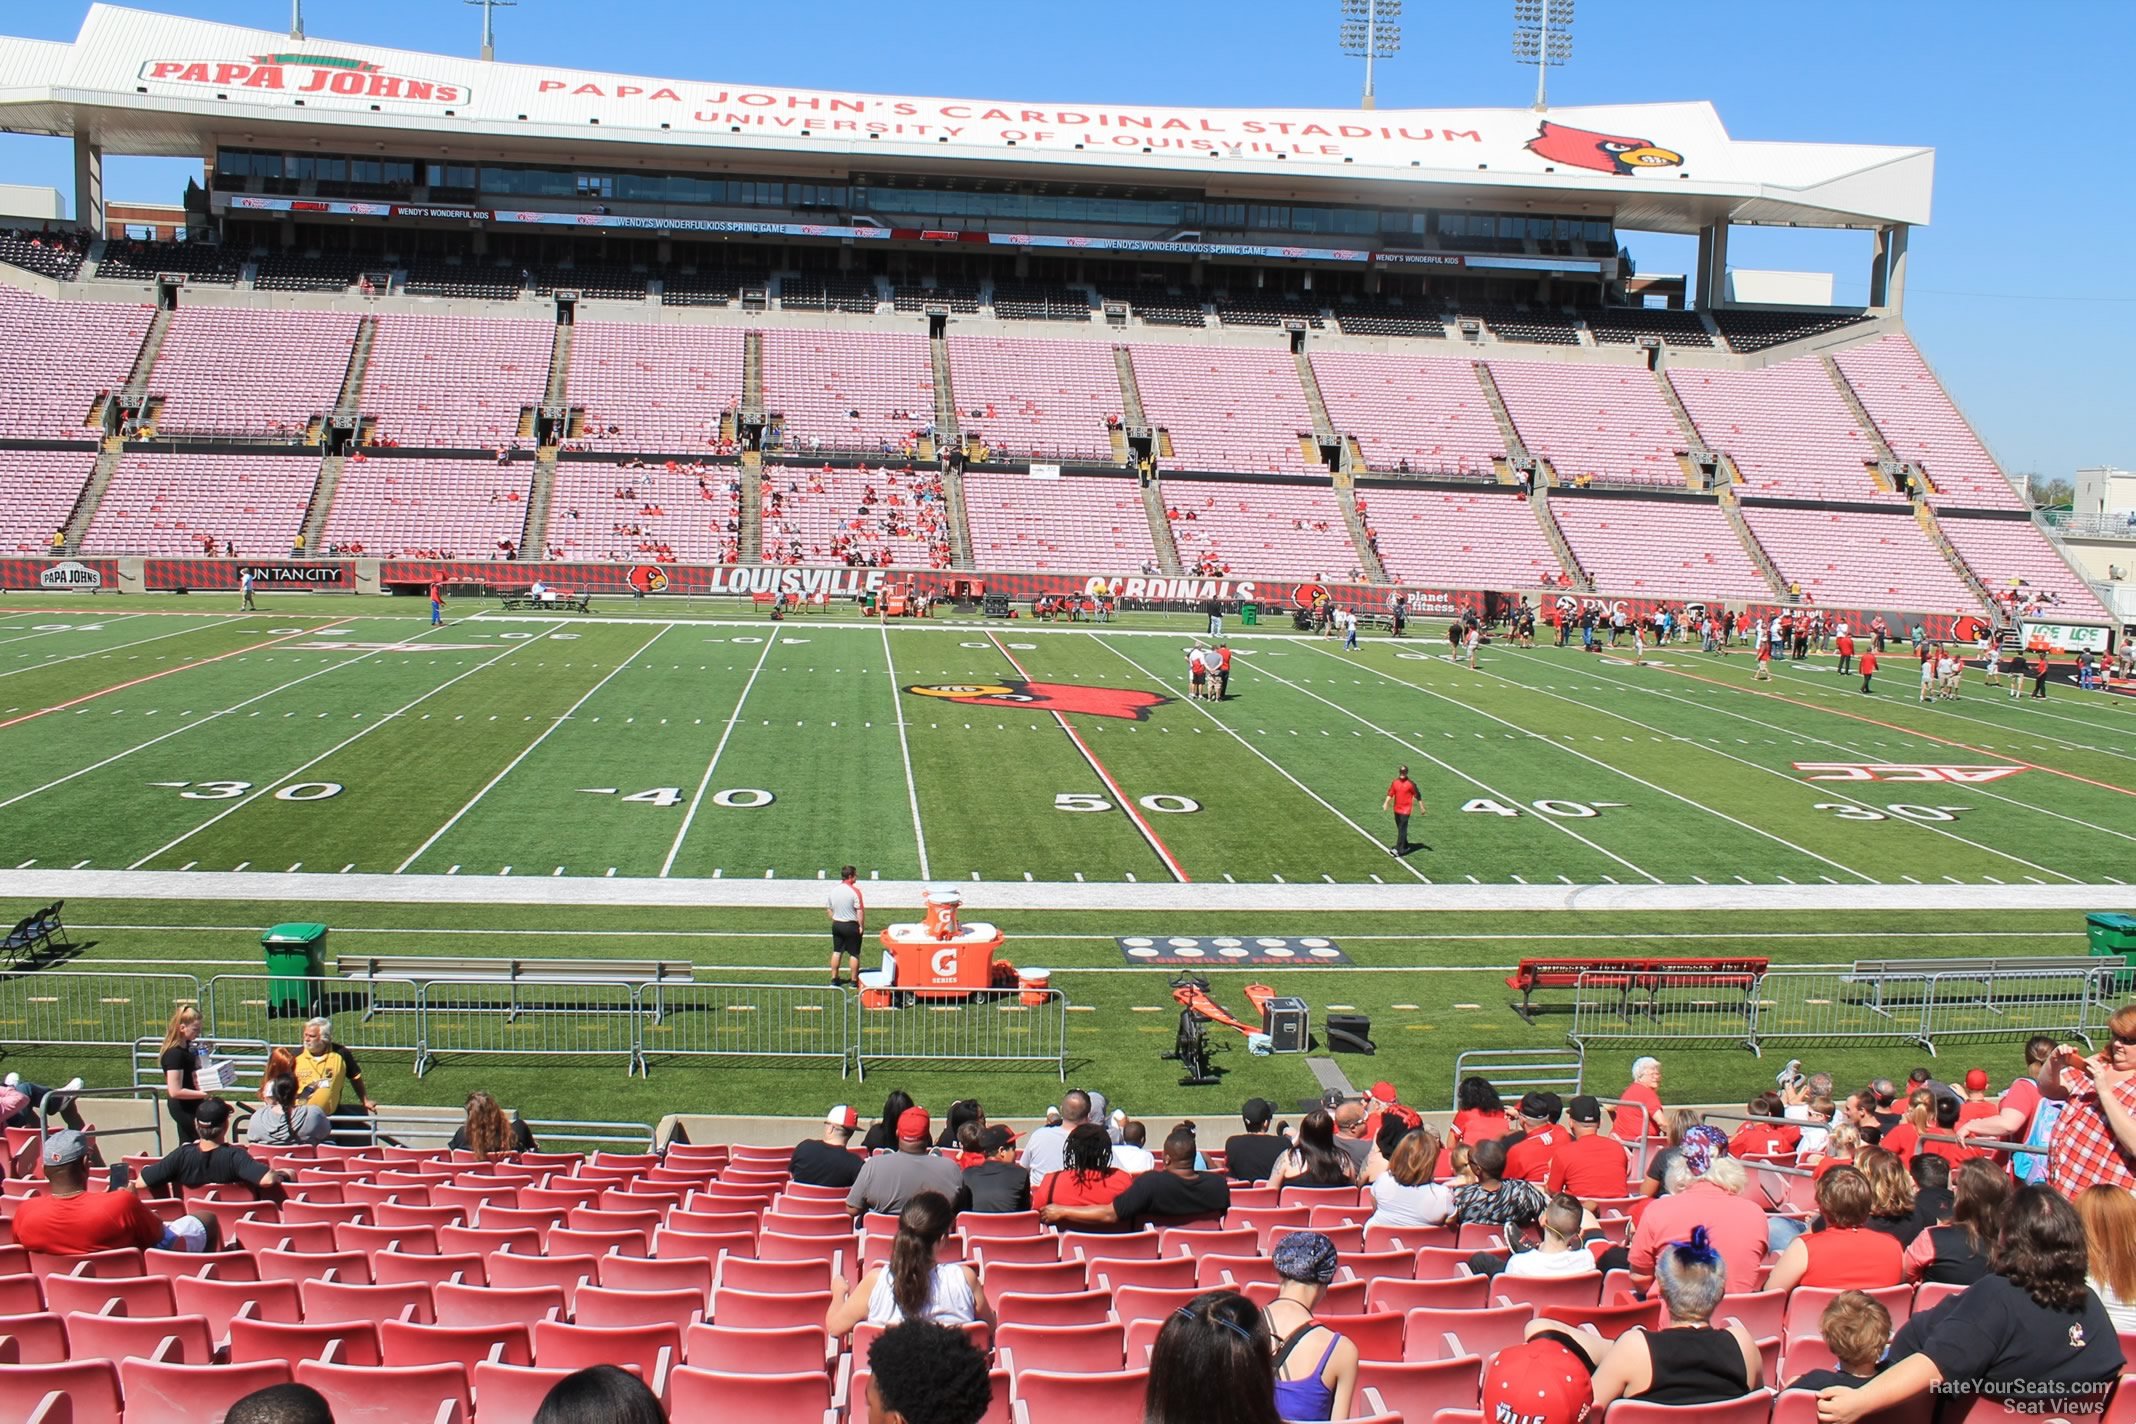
[742, 1273]
[566, 1273]
[329, 1301]
[1065, 1308]
[1058, 1278]
[220, 1301]
[652, 1348]
[40, 1337]
[497, 1305]
[799, 1397]
[598, 1306]
[1429, 412]
[510, 1394]
[356, 1341]
[1342, 1298]
[21, 1295]
[348, 1267]
[1151, 1302]
[1548, 1294]
[1752, 1408]
[758, 1310]
[672, 1245]
[157, 1392]
[116, 1337]
[632, 1274]
[1049, 1397]
[1100, 1346]
[1609, 1321]
[402, 1343]
[1806, 1303]
[1202, 1243]
[1029, 1250]
[978, 1226]
[737, 1350]
[419, 1394]
[1799, 1406]
[139, 1295]
[1417, 1389]
[1108, 1273]
[1225, 408]
[1437, 1334]
[124, 1262]
[397, 1268]
[90, 1387]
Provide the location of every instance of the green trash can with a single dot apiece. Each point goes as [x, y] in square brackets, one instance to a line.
[2113, 937]
[1250, 615]
[296, 960]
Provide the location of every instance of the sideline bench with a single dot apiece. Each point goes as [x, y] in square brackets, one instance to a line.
[1630, 976]
[426, 967]
[555, 602]
[1876, 973]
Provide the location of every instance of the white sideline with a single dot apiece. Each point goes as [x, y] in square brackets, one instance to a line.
[1043, 895]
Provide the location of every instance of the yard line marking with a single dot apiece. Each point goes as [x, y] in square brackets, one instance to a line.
[1629, 776]
[151, 677]
[1446, 766]
[1280, 770]
[704, 781]
[207, 721]
[384, 721]
[912, 789]
[1125, 802]
[1857, 751]
[513, 764]
[120, 647]
[55, 632]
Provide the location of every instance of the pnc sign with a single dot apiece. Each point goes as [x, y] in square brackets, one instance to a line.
[301, 74]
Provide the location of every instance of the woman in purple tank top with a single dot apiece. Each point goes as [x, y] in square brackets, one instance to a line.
[1316, 1368]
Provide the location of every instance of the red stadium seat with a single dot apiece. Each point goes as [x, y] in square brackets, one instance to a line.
[138, 1295]
[402, 1344]
[329, 1301]
[1753, 1408]
[498, 1305]
[1416, 1389]
[1081, 1397]
[738, 1350]
[355, 1342]
[1098, 1346]
[90, 1391]
[798, 1398]
[117, 1337]
[420, 1394]
[160, 1393]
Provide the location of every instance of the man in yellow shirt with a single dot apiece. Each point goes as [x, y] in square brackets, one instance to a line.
[327, 1075]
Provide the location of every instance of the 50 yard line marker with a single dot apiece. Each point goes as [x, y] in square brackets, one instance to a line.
[513, 764]
[912, 790]
[704, 781]
[1121, 798]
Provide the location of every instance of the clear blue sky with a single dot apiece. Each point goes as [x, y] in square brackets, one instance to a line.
[2020, 292]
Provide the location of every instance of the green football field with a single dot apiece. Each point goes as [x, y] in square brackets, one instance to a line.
[334, 737]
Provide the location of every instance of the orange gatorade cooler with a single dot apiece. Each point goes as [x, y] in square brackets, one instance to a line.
[1037, 986]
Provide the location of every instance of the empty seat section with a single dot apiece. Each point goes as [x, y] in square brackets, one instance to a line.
[250, 373]
[1041, 400]
[1671, 548]
[1785, 427]
[1227, 408]
[874, 517]
[178, 504]
[1426, 412]
[1875, 560]
[38, 491]
[671, 512]
[455, 382]
[1083, 524]
[433, 509]
[1259, 529]
[56, 358]
[848, 390]
[1917, 420]
[660, 387]
[1469, 539]
[2002, 551]
[1600, 423]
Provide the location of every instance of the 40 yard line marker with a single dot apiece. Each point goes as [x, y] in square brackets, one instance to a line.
[690, 816]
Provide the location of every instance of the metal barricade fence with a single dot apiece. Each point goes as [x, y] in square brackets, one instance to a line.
[2053, 1001]
[1514, 1071]
[764, 1021]
[433, 1128]
[1003, 1028]
[1620, 1007]
[1826, 1005]
[89, 1008]
[247, 1060]
[262, 1008]
[582, 1018]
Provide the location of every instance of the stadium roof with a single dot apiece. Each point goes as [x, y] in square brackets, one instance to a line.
[136, 82]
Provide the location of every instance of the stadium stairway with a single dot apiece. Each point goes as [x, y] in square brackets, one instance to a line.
[752, 482]
[1516, 450]
[1933, 528]
[159, 327]
[1368, 557]
[1539, 499]
[960, 527]
[1762, 561]
[1324, 430]
[534, 534]
[322, 502]
[948, 433]
[107, 465]
[1888, 462]
[1161, 527]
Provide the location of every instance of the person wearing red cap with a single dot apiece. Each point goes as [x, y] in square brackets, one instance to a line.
[1539, 1382]
[828, 1161]
[888, 1182]
[1377, 1102]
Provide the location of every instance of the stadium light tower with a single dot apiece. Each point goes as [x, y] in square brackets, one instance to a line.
[1542, 36]
[296, 19]
[1371, 29]
[489, 29]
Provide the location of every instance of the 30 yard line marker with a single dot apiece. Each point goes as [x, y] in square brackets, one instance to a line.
[528, 751]
[690, 816]
[912, 790]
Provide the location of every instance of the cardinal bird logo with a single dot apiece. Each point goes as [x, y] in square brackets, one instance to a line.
[1118, 702]
[1604, 153]
[647, 579]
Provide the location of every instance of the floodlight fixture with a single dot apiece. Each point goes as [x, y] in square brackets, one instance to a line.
[489, 30]
[1542, 36]
[1370, 30]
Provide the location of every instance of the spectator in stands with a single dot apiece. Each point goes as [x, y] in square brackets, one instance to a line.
[1843, 1253]
[2095, 1137]
[488, 1133]
[1562, 1251]
[1214, 1359]
[828, 1160]
[1856, 1329]
[2030, 1332]
[962, 1111]
[1674, 1123]
[882, 1136]
[210, 1161]
[1378, 1098]
[1588, 1165]
[1705, 1187]
[25, 1104]
[1479, 1116]
[1644, 1091]
[328, 1076]
[1316, 1367]
[1688, 1361]
[1046, 1149]
[923, 1373]
[2109, 1216]
[1956, 1253]
[1892, 1207]
[2019, 1114]
[1841, 1143]
[282, 1121]
[1528, 1151]
[886, 1183]
[301, 1404]
[67, 1219]
[1087, 1176]
[1350, 1132]
[1906, 1136]
[1932, 1188]
[912, 1284]
[1174, 1195]
[996, 1183]
[1251, 1155]
[1315, 1161]
[599, 1394]
[1405, 1194]
[1766, 1134]
[1131, 1153]
[1396, 1123]
[1493, 1199]
[179, 1060]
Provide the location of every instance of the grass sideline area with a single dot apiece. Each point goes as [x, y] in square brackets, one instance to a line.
[1433, 986]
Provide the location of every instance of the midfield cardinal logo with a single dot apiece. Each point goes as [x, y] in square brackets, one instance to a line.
[1047, 697]
[1604, 153]
[647, 579]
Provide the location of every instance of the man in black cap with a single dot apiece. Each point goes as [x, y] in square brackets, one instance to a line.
[996, 1184]
[1590, 1166]
[209, 1160]
[1251, 1155]
[1529, 1150]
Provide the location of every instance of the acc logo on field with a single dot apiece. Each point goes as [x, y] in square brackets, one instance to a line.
[1894, 771]
[647, 579]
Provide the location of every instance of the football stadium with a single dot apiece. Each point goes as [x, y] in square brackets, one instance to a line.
[1323, 744]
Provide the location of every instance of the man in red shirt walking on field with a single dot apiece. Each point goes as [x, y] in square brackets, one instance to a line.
[1868, 666]
[1402, 800]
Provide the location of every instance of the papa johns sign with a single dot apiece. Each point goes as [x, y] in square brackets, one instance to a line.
[305, 74]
